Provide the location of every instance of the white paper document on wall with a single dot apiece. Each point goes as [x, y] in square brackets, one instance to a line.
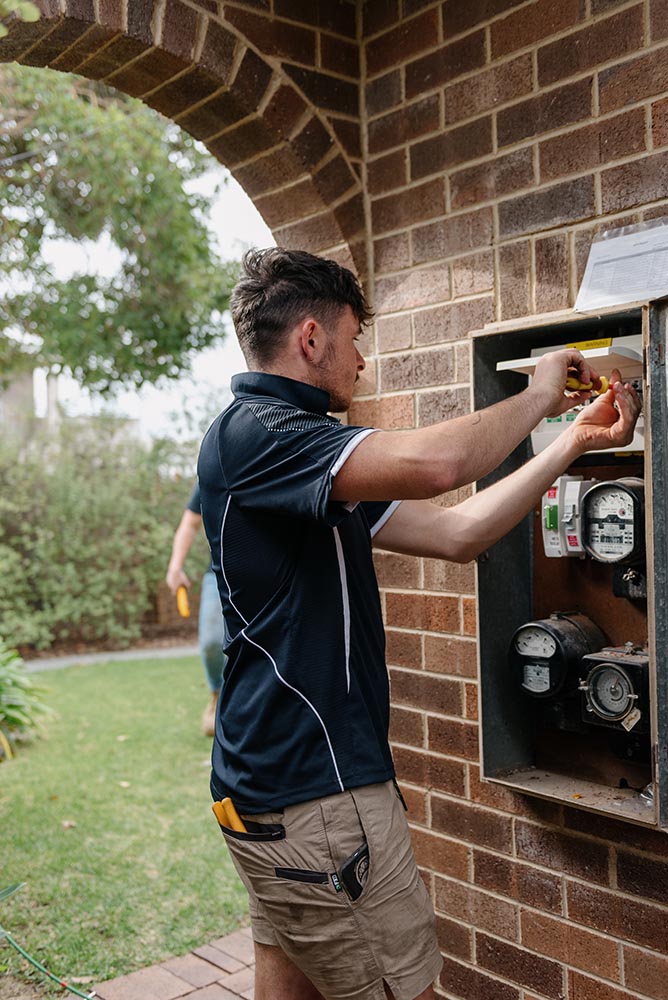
[626, 265]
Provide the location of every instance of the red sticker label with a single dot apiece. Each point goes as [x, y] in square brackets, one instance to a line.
[552, 492]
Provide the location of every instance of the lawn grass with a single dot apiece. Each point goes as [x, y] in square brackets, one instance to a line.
[108, 820]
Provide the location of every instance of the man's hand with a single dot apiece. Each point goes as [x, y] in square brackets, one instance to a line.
[176, 578]
[609, 421]
[550, 377]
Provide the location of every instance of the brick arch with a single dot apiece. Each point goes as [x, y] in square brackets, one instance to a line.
[273, 98]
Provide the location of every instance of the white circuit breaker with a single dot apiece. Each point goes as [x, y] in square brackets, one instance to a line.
[561, 518]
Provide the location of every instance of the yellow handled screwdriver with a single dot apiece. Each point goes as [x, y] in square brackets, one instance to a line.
[572, 383]
[182, 602]
[227, 815]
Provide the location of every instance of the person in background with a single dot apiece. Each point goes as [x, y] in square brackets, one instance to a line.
[211, 630]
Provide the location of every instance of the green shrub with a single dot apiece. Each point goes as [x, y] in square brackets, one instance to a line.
[86, 525]
[20, 704]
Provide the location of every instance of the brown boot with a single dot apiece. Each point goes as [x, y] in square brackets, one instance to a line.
[209, 716]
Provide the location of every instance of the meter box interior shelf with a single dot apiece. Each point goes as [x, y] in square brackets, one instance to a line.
[574, 668]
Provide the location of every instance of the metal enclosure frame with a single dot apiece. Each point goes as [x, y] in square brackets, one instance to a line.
[505, 597]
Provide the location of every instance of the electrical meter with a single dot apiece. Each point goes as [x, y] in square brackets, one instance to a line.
[543, 653]
[613, 516]
[561, 520]
[615, 685]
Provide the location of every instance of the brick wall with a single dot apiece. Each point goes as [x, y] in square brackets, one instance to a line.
[460, 154]
[501, 136]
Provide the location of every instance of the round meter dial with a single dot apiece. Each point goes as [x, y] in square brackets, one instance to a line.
[544, 653]
[613, 519]
[609, 691]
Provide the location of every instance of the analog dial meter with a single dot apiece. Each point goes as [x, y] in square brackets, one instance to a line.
[610, 693]
[613, 518]
[543, 654]
[533, 640]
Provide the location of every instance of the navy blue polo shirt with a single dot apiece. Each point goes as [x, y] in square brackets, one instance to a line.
[304, 707]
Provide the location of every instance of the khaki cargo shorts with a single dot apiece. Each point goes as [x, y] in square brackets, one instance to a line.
[293, 866]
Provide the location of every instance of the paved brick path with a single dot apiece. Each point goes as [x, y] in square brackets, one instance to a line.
[222, 970]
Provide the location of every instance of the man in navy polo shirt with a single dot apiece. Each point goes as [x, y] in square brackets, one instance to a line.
[292, 502]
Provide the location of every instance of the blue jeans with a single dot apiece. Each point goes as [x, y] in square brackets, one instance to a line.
[211, 631]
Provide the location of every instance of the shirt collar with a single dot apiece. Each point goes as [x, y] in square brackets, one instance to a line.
[301, 394]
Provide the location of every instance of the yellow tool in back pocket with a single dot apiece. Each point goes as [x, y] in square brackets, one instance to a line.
[227, 815]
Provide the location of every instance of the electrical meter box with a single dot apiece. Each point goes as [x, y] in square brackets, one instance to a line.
[573, 603]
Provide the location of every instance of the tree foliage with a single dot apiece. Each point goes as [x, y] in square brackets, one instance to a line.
[21, 9]
[79, 161]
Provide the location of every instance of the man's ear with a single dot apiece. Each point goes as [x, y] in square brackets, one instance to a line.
[311, 339]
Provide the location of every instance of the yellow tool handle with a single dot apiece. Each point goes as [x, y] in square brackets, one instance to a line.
[572, 383]
[227, 815]
[182, 602]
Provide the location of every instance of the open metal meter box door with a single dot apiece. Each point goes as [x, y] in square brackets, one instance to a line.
[573, 603]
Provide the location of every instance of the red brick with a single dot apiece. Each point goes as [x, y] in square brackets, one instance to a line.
[450, 656]
[151, 71]
[406, 727]
[433, 407]
[337, 16]
[658, 20]
[646, 973]
[452, 235]
[493, 794]
[623, 917]
[401, 41]
[456, 739]
[176, 97]
[459, 17]
[111, 58]
[383, 93]
[635, 183]
[610, 38]
[631, 836]
[476, 826]
[327, 92]
[471, 984]
[193, 969]
[440, 854]
[633, 80]
[423, 611]
[218, 50]
[390, 413]
[552, 109]
[462, 363]
[492, 180]
[315, 234]
[488, 89]
[394, 334]
[312, 142]
[348, 134]
[562, 852]
[379, 17]
[660, 123]
[404, 649]
[418, 287]
[582, 988]
[417, 369]
[471, 710]
[241, 143]
[471, 906]
[387, 172]
[532, 23]
[571, 945]
[179, 28]
[453, 578]
[284, 109]
[111, 13]
[238, 944]
[210, 118]
[453, 939]
[416, 800]
[339, 56]
[519, 966]
[350, 216]
[153, 983]
[426, 692]
[397, 571]
[469, 623]
[334, 179]
[401, 126]
[559, 204]
[48, 50]
[139, 22]
[473, 274]
[446, 64]
[588, 147]
[451, 322]
[395, 211]
[524, 883]
[642, 876]
[275, 37]
[391, 253]
[429, 770]
[552, 272]
[96, 37]
[270, 172]
[515, 280]
[448, 149]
